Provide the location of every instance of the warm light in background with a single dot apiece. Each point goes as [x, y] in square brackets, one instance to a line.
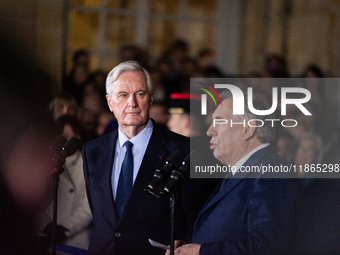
[103, 27]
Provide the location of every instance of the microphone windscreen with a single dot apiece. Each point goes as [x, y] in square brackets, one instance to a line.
[60, 141]
[58, 144]
[73, 145]
[187, 158]
[176, 158]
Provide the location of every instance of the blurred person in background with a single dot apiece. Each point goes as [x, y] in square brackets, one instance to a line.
[276, 67]
[92, 100]
[313, 71]
[93, 104]
[179, 114]
[78, 76]
[97, 78]
[74, 217]
[178, 54]
[160, 93]
[332, 151]
[175, 65]
[284, 145]
[63, 104]
[88, 120]
[318, 224]
[299, 129]
[133, 52]
[105, 122]
[206, 59]
[309, 151]
[322, 109]
[158, 112]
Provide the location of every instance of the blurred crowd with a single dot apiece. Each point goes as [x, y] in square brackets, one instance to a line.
[315, 140]
[83, 95]
[80, 109]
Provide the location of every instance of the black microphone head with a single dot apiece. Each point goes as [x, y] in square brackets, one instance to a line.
[177, 176]
[72, 145]
[162, 174]
[187, 158]
[176, 158]
[58, 144]
[61, 140]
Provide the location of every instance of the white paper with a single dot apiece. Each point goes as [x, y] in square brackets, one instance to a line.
[158, 245]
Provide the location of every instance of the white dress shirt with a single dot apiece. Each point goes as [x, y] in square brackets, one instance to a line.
[140, 143]
[246, 157]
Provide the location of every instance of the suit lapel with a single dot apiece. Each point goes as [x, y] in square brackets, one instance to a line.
[219, 193]
[105, 171]
[233, 182]
[154, 156]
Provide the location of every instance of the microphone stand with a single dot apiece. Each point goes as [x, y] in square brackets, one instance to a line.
[172, 216]
[172, 222]
[55, 175]
[58, 159]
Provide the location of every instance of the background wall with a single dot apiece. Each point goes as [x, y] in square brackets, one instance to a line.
[36, 27]
[304, 31]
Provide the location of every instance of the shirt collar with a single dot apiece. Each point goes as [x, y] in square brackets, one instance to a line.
[138, 140]
[246, 157]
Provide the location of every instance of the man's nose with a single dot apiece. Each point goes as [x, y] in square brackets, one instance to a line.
[211, 131]
[132, 101]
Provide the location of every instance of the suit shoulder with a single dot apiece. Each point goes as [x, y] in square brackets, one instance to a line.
[177, 137]
[269, 156]
[275, 158]
[102, 140]
[170, 136]
[170, 140]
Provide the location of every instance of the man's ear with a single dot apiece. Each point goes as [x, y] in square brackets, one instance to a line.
[109, 102]
[249, 130]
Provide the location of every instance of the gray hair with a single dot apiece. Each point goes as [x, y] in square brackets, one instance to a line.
[265, 133]
[124, 67]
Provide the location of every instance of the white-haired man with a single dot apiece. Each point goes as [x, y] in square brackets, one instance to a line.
[120, 165]
[246, 214]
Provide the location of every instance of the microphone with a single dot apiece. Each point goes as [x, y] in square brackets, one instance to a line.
[57, 145]
[177, 176]
[170, 164]
[68, 149]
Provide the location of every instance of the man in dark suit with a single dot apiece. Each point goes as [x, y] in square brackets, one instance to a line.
[124, 215]
[246, 214]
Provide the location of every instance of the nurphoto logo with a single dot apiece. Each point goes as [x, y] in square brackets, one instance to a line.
[238, 103]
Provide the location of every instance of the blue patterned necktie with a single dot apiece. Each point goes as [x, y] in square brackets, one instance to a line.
[125, 179]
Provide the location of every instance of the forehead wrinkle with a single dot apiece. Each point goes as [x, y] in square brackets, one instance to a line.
[125, 86]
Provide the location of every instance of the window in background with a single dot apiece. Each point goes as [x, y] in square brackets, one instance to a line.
[103, 26]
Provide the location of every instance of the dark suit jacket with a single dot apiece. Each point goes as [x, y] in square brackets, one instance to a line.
[144, 216]
[250, 215]
[319, 222]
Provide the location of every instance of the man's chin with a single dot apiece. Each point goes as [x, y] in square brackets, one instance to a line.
[219, 158]
[135, 122]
